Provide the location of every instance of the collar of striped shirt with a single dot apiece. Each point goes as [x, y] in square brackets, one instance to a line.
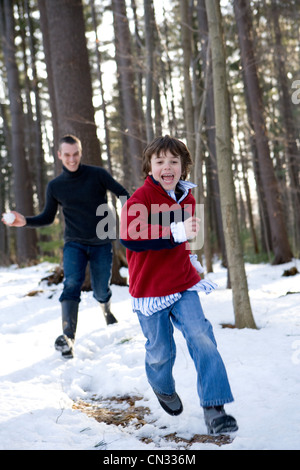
[185, 186]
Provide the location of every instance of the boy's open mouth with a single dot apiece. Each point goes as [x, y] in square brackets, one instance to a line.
[168, 178]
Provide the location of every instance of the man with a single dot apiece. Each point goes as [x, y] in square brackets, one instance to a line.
[80, 189]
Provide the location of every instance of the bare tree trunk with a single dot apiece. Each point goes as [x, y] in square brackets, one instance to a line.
[138, 54]
[71, 75]
[280, 242]
[37, 125]
[50, 83]
[4, 251]
[168, 85]
[187, 54]
[213, 191]
[291, 133]
[241, 301]
[99, 76]
[4, 190]
[246, 183]
[149, 43]
[26, 239]
[116, 277]
[129, 106]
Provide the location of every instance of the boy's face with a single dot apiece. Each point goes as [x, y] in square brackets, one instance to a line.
[166, 169]
[70, 155]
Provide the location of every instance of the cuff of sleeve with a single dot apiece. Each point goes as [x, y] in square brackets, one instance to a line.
[197, 265]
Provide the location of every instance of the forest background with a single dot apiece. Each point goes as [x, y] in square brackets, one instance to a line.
[222, 76]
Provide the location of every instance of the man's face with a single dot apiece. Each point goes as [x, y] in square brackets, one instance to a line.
[70, 155]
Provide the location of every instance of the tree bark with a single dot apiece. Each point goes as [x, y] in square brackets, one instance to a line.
[241, 301]
[291, 134]
[50, 83]
[213, 191]
[280, 242]
[187, 54]
[40, 177]
[149, 43]
[70, 69]
[129, 105]
[23, 194]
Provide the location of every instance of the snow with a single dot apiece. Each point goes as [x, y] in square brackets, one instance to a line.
[38, 387]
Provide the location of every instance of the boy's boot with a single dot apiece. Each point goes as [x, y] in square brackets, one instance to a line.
[170, 403]
[218, 422]
[109, 317]
[65, 342]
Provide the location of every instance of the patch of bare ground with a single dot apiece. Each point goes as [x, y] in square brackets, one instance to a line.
[122, 411]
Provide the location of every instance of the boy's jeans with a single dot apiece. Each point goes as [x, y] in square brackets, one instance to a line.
[76, 257]
[187, 315]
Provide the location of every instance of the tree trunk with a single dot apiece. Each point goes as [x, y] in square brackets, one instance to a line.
[71, 75]
[291, 133]
[280, 242]
[149, 43]
[26, 239]
[187, 54]
[50, 83]
[213, 190]
[138, 54]
[40, 178]
[241, 302]
[168, 85]
[129, 105]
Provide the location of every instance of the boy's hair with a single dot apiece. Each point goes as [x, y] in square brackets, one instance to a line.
[161, 145]
[69, 139]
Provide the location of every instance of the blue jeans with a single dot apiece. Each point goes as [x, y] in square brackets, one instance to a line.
[76, 257]
[187, 315]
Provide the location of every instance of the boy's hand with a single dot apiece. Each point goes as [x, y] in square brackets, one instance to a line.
[192, 226]
[19, 221]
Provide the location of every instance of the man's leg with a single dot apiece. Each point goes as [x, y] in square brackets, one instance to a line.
[101, 257]
[75, 261]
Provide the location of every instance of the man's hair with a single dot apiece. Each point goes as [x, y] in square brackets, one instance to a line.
[69, 139]
[161, 145]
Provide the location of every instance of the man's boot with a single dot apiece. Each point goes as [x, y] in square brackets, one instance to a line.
[65, 342]
[109, 317]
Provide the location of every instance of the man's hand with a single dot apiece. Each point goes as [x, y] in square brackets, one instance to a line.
[192, 226]
[19, 221]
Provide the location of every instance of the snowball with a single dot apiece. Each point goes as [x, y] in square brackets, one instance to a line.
[9, 217]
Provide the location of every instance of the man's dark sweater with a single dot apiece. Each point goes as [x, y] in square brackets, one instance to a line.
[79, 193]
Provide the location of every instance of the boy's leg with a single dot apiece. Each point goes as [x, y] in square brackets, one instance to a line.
[160, 351]
[213, 386]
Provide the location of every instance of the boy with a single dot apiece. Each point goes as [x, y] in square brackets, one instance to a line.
[156, 223]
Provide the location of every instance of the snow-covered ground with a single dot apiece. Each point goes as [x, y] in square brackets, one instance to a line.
[38, 387]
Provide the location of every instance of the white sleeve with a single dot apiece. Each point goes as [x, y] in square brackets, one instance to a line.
[196, 263]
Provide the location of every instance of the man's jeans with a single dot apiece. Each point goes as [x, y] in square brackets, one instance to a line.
[187, 315]
[76, 257]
